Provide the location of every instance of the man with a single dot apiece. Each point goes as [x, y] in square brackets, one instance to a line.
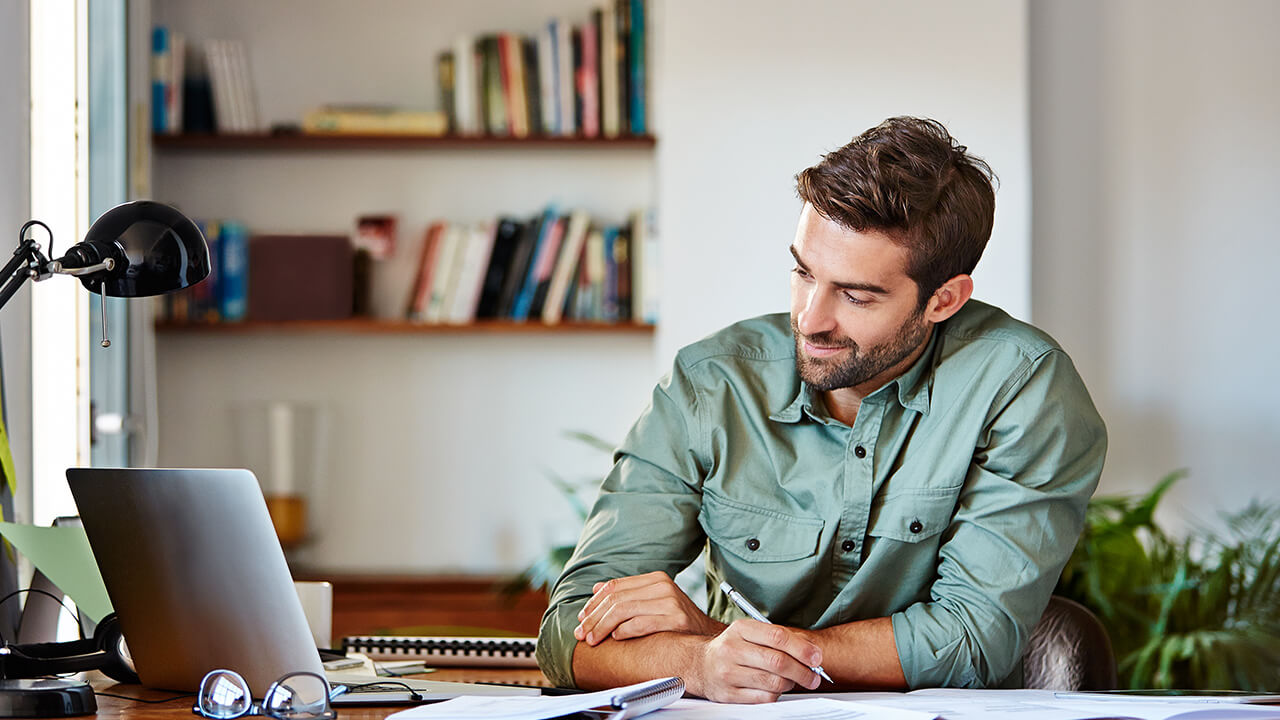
[895, 476]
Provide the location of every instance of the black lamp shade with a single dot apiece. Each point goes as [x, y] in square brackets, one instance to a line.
[156, 248]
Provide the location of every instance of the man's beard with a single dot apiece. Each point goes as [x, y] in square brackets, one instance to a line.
[857, 366]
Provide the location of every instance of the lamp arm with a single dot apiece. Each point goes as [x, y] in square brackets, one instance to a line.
[27, 263]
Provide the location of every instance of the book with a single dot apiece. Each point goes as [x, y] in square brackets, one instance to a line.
[494, 90]
[447, 650]
[529, 303]
[564, 75]
[636, 66]
[161, 58]
[532, 85]
[233, 240]
[466, 101]
[421, 295]
[550, 100]
[609, 103]
[612, 704]
[511, 55]
[445, 76]
[506, 237]
[622, 28]
[471, 273]
[574, 238]
[443, 274]
[374, 120]
[588, 77]
[644, 267]
[519, 267]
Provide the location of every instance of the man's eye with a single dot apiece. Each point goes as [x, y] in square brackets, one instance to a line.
[801, 272]
[856, 300]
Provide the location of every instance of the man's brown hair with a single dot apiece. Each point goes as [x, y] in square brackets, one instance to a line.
[909, 179]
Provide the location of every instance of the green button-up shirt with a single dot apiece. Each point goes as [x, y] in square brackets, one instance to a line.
[950, 506]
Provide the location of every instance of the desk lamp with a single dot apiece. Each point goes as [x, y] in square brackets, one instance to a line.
[137, 249]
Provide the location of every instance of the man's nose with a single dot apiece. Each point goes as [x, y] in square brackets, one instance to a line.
[815, 315]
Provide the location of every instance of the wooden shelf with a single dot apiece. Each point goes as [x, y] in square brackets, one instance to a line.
[306, 142]
[401, 327]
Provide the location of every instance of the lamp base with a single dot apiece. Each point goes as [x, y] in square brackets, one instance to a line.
[45, 699]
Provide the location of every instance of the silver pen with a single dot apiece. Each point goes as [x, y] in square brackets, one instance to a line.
[756, 615]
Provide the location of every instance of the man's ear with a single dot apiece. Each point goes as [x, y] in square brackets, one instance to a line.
[948, 299]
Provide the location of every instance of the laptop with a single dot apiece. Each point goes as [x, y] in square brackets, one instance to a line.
[197, 577]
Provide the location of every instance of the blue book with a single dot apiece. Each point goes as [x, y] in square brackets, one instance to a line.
[636, 57]
[524, 301]
[234, 249]
[160, 59]
[610, 299]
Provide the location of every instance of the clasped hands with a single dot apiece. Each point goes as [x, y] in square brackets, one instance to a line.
[745, 662]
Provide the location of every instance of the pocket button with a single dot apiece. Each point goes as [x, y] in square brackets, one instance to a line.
[916, 526]
[753, 544]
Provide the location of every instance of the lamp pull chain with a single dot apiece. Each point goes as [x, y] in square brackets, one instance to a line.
[102, 290]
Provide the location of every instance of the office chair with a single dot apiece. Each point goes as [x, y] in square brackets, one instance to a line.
[1068, 650]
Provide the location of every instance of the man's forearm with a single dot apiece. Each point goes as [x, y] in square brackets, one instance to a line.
[861, 655]
[621, 662]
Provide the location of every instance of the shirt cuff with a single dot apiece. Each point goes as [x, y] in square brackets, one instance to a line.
[556, 642]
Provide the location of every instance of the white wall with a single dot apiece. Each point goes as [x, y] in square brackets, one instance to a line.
[15, 208]
[1157, 164]
[754, 92]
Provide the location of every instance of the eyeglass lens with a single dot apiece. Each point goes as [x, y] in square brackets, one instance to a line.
[302, 696]
[224, 695]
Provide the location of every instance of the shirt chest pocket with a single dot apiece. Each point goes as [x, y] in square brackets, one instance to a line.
[912, 516]
[757, 534]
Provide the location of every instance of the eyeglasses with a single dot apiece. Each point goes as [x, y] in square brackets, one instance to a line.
[224, 695]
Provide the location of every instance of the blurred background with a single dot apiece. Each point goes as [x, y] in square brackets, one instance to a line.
[1135, 142]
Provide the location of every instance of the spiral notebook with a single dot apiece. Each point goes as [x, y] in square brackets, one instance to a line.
[616, 704]
[447, 651]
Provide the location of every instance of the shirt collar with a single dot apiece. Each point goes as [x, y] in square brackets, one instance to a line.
[914, 389]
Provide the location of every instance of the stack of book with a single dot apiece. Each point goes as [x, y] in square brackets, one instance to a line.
[224, 295]
[585, 79]
[551, 268]
[202, 90]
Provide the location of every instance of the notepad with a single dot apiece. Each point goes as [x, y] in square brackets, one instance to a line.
[443, 651]
[616, 704]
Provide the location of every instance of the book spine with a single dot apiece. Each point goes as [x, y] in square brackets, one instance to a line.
[161, 59]
[608, 71]
[547, 80]
[564, 77]
[234, 239]
[590, 77]
[639, 125]
[445, 76]
[622, 18]
[174, 83]
[464, 86]
[566, 263]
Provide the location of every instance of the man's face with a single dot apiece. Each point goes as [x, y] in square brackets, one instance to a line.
[854, 310]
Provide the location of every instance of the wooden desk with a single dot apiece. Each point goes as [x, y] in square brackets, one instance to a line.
[110, 708]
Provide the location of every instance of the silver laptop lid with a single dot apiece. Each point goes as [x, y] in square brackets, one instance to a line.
[196, 574]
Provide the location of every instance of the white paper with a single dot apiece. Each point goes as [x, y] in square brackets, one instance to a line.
[958, 704]
[799, 709]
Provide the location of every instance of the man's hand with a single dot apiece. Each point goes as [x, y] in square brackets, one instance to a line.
[754, 662]
[640, 605]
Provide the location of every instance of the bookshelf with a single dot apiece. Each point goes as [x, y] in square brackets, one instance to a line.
[423, 417]
[372, 326]
[267, 142]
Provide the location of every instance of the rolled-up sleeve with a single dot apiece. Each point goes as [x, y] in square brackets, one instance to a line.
[645, 518]
[1018, 518]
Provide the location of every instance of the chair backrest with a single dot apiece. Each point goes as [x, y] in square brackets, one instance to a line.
[1068, 650]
